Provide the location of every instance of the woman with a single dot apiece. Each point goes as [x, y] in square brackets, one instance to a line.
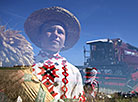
[53, 30]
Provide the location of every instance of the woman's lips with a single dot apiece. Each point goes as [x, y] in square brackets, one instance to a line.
[55, 41]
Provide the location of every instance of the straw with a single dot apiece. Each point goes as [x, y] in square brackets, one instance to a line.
[31, 90]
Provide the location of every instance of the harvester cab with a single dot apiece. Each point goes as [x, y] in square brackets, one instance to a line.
[116, 61]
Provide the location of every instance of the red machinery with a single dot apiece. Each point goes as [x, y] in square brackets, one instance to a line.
[116, 61]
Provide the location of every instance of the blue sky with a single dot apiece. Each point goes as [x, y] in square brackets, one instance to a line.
[98, 18]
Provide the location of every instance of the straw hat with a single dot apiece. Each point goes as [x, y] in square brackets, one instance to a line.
[36, 19]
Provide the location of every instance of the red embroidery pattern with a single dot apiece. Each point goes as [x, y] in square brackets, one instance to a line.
[82, 98]
[57, 57]
[33, 66]
[48, 74]
[74, 97]
[49, 62]
[64, 80]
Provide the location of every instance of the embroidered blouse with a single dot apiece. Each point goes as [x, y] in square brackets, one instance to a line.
[62, 79]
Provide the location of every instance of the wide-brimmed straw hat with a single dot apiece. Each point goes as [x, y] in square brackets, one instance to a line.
[36, 19]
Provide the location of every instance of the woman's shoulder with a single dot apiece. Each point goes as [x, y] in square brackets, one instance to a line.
[73, 67]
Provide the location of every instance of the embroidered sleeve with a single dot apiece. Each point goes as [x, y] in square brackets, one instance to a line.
[37, 70]
[78, 92]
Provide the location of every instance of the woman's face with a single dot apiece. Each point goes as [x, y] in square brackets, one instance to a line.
[52, 37]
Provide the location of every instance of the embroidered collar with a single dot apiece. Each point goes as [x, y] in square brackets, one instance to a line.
[43, 55]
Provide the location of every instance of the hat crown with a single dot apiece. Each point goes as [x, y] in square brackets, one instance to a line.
[44, 15]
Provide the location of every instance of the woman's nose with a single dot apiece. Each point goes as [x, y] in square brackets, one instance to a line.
[55, 33]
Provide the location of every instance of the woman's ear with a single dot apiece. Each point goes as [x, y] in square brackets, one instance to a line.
[39, 41]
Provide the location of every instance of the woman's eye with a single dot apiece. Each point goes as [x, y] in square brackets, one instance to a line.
[60, 31]
[50, 30]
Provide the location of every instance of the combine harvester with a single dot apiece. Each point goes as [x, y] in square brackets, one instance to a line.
[117, 64]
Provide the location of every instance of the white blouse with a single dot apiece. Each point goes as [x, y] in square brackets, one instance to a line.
[62, 79]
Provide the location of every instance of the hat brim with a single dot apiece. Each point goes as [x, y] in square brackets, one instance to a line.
[39, 17]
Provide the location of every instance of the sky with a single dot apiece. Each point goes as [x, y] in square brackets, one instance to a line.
[98, 18]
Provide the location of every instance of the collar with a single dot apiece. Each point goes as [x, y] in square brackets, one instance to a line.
[43, 55]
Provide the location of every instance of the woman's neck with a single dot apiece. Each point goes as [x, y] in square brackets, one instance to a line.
[50, 52]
